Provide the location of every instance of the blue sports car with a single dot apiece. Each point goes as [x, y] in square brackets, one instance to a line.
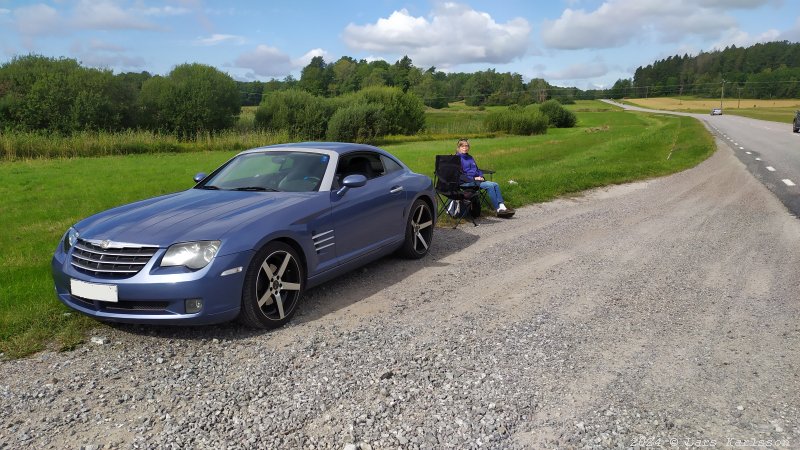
[248, 239]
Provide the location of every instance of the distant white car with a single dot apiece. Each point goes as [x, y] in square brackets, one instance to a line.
[716, 112]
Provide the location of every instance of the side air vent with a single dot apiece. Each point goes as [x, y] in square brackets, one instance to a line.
[323, 240]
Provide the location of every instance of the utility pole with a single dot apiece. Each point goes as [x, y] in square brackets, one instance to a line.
[722, 94]
[739, 102]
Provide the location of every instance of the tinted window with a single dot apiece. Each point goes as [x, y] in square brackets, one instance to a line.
[390, 165]
[364, 163]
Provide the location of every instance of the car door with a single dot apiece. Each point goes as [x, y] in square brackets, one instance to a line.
[370, 217]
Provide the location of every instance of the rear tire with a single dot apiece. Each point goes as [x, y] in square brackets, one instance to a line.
[273, 287]
[419, 231]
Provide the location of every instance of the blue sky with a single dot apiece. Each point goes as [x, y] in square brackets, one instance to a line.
[581, 43]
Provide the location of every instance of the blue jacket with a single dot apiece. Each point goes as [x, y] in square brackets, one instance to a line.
[469, 168]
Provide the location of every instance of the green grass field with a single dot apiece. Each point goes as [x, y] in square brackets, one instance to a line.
[40, 199]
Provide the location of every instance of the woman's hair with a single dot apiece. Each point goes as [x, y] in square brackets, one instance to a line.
[462, 141]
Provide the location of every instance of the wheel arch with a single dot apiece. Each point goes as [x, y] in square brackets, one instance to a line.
[297, 248]
[428, 200]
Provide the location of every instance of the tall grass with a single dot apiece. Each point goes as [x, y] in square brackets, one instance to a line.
[31, 145]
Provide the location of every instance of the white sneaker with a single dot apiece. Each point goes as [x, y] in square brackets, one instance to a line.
[502, 207]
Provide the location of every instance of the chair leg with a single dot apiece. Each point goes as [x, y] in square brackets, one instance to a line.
[485, 200]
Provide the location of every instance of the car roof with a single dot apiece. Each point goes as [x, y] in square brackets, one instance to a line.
[336, 147]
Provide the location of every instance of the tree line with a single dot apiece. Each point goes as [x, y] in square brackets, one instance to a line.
[436, 89]
[345, 100]
[763, 71]
[59, 95]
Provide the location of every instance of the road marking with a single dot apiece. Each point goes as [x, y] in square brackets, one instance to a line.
[741, 148]
[758, 159]
[788, 182]
[749, 153]
[771, 169]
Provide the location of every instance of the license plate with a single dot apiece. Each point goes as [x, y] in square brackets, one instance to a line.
[93, 291]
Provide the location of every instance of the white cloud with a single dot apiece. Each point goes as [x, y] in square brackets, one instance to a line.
[215, 39]
[103, 60]
[740, 38]
[97, 44]
[36, 20]
[793, 34]
[103, 55]
[107, 15]
[746, 4]
[165, 11]
[266, 61]
[43, 20]
[619, 22]
[453, 34]
[305, 59]
[579, 71]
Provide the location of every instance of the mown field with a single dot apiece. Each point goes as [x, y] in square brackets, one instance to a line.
[41, 198]
[781, 110]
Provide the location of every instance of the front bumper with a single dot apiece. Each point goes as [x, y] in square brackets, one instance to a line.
[155, 296]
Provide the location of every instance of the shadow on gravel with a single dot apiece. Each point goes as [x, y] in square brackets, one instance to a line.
[340, 293]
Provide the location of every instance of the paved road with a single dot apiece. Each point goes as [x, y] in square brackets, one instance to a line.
[770, 150]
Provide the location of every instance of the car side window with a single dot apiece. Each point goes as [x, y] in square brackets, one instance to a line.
[390, 164]
[365, 163]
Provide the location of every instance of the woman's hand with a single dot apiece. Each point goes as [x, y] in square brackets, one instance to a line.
[479, 178]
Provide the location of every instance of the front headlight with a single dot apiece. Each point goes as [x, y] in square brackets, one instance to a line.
[70, 238]
[194, 255]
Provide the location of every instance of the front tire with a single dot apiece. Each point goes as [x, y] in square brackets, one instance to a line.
[273, 287]
[419, 231]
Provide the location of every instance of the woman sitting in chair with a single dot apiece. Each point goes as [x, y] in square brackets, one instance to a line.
[473, 176]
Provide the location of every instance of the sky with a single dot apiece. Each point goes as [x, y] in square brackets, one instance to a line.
[578, 43]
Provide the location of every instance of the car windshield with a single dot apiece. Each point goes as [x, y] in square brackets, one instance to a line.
[270, 172]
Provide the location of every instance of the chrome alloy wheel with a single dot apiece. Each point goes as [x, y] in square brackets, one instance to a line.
[419, 231]
[278, 285]
[421, 228]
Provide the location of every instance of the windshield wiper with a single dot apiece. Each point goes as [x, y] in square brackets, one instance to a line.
[209, 187]
[256, 188]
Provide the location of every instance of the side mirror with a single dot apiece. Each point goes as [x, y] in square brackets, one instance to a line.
[352, 181]
[199, 177]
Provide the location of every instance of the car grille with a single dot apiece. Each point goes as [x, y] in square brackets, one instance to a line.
[115, 261]
[144, 307]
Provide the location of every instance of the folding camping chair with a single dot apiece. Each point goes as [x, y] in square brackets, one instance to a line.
[454, 199]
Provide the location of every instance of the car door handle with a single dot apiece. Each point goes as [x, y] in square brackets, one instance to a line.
[396, 189]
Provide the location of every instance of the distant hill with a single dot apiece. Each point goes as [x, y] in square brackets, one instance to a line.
[767, 70]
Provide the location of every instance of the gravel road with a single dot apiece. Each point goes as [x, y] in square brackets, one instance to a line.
[660, 314]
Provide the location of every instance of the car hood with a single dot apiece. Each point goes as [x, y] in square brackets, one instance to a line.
[190, 215]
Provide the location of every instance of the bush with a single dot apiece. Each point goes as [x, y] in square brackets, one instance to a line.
[305, 116]
[404, 111]
[38, 93]
[297, 112]
[357, 123]
[557, 115]
[517, 121]
[192, 99]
